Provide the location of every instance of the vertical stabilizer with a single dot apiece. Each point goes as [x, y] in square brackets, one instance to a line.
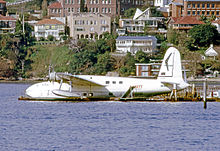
[171, 69]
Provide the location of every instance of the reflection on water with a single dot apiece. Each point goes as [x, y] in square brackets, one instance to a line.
[105, 125]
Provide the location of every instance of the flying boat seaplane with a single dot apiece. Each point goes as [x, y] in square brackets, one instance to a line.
[69, 86]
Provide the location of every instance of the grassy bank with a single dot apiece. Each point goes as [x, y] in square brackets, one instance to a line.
[44, 56]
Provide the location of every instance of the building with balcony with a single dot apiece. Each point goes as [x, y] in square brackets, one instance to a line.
[7, 24]
[112, 8]
[88, 25]
[184, 23]
[133, 44]
[3, 8]
[47, 27]
[139, 22]
[148, 69]
[207, 8]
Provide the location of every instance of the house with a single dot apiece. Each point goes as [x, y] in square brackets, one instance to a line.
[184, 23]
[47, 27]
[133, 44]
[217, 24]
[207, 8]
[88, 25]
[211, 52]
[3, 8]
[139, 22]
[148, 69]
[63, 8]
[163, 6]
[7, 24]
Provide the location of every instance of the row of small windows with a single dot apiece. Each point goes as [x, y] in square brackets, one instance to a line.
[135, 42]
[137, 2]
[113, 82]
[91, 1]
[203, 13]
[94, 10]
[203, 5]
[89, 22]
[102, 28]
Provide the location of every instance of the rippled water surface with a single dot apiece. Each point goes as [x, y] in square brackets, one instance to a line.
[105, 126]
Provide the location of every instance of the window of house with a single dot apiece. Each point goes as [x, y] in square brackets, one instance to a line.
[203, 5]
[103, 1]
[103, 10]
[107, 82]
[203, 12]
[109, 10]
[198, 5]
[72, 1]
[109, 1]
[193, 12]
[120, 82]
[189, 5]
[198, 12]
[207, 13]
[213, 13]
[72, 9]
[193, 5]
[213, 5]
[208, 5]
[188, 13]
[217, 13]
[114, 82]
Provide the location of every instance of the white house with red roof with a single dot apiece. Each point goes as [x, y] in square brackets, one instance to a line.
[47, 27]
[7, 24]
[184, 23]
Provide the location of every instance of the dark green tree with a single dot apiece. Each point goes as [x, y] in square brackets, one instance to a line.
[203, 35]
[129, 12]
[141, 57]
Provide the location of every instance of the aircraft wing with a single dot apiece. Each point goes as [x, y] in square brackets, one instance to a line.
[76, 80]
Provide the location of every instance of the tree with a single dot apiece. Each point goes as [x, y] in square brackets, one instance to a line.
[129, 12]
[44, 7]
[128, 67]
[141, 57]
[50, 37]
[203, 35]
[172, 36]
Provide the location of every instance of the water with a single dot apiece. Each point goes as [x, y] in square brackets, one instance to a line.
[110, 126]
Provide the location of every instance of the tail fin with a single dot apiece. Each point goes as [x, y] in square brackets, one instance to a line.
[171, 69]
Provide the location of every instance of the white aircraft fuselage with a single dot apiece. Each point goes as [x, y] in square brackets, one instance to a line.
[91, 86]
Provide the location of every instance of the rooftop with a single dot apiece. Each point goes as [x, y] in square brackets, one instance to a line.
[55, 5]
[7, 18]
[49, 22]
[1, 1]
[188, 20]
[136, 38]
[217, 21]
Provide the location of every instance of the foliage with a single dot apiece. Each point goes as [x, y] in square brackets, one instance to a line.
[172, 36]
[155, 12]
[129, 65]
[129, 12]
[50, 38]
[57, 56]
[203, 35]
[141, 57]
